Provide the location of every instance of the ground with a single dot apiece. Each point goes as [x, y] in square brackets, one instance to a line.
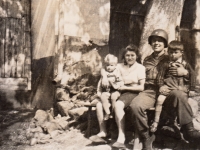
[14, 124]
[14, 136]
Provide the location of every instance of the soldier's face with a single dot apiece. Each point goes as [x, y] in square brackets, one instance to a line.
[157, 43]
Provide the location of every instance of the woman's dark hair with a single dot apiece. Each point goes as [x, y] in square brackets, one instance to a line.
[134, 49]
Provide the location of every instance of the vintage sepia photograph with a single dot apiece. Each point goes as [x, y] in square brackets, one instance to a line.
[100, 74]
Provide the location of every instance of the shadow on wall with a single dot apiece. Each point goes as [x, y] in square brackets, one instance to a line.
[42, 89]
[10, 99]
[4, 103]
[187, 35]
[126, 24]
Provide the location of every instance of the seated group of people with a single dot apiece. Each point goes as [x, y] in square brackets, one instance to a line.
[163, 81]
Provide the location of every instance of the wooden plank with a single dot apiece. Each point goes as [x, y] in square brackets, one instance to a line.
[12, 49]
[13, 87]
[27, 14]
[27, 66]
[27, 43]
[23, 44]
[27, 7]
[3, 8]
[13, 81]
[18, 44]
[7, 48]
[15, 9]
[2, 45]
[27, 39]
[20, 51]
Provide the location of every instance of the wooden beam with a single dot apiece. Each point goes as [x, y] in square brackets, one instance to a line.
[2, 46]
[13, 84]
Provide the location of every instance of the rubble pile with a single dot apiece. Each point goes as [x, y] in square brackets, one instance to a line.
[44, 127]
[75, 90]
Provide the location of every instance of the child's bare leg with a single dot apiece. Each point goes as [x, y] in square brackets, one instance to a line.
[114, 96]
[159, 103]
[106, 105]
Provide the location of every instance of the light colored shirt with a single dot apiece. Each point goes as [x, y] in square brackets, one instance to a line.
[114, 78]
[132, 75]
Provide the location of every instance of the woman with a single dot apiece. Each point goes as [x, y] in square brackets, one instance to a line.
[133, 75]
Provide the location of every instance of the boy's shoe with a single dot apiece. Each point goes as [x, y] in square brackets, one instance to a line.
[153, 127]
[107, 116]
[111, 116]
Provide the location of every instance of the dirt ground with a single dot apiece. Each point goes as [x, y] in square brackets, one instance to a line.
[13, 136]
[14, 124]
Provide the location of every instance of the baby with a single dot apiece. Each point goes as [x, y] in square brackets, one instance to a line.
[115, 80]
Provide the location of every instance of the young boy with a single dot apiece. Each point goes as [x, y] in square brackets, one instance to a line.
[168, 82]
[115, 80]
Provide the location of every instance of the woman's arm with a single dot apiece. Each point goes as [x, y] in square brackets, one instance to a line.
[138, 88]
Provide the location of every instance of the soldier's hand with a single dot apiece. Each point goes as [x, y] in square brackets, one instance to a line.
[179, 70]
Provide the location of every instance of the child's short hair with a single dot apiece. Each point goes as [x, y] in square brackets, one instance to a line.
[176, 45]
[111, 58]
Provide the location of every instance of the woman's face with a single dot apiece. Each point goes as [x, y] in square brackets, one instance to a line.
[157, 43]
[130, 57]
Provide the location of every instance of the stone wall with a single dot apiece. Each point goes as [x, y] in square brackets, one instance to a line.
[61, 31]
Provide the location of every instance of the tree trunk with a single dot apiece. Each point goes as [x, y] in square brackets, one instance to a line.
[196, 37]
[161, 15]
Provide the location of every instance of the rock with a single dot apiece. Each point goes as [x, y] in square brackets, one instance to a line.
[64, 107]
[194, 105]
[45, 137]
[36, 135]
[82, 95]
[54, 133]
[51, 126]
[62, 94]
[37, 129]
[63, 124]
[43, 141]
[74, 98]
[32, 123]
[29, 135]
[77, 112]
[33, 141]
[41, 116]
